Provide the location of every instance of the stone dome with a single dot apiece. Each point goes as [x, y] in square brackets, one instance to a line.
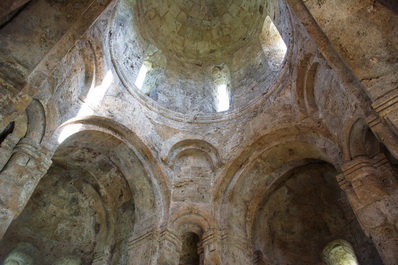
[202, 30]
[198, 57]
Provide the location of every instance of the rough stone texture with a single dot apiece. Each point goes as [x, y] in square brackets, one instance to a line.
[97, 170]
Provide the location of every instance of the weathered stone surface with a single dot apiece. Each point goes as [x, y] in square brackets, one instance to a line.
[198, 132]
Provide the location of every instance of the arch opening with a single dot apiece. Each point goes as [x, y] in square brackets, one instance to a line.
[190, 254]
[303, 214]
[339, 252]
[84, 208]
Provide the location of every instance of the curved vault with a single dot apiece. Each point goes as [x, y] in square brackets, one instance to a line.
[306, 211]
[188, 56]
[88, 203]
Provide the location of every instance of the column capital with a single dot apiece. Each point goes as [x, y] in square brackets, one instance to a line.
[362, 164]
[343, 182]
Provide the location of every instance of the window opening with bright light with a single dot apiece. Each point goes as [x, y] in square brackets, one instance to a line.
[273, 45]
[220, 77]
[139, 82]
[339, 252]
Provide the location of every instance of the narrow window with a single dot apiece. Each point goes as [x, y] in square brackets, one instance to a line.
[339, 252]
[220, 79]
[274, 47]
[190, 254]
[222, 98]
[139, 82]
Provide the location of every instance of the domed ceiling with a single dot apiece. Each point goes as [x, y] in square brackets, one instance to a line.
[201, 31]
[184, 51]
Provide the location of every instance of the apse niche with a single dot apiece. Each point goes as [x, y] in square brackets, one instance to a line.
[81, 209]
[199, 57]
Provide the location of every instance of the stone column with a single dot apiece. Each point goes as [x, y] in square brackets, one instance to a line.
[7, 148]
[15, 93]
[169, 248]
[19, 178]
[372, 191]
[211, 243]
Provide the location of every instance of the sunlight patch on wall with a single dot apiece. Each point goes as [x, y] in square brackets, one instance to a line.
[91, 102]
[139, 82]
[274, 47]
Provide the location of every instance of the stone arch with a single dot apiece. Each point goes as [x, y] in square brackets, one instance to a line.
[21, 254]
[114, 161]
[339, 252]
[304, 85]
[78, 203]
[191, 249]
[270, 156]
[154, 176]
[177, 147]
[362, 141]
[321, 144]
[314, 211]
[310, 88]
[200, 222]
[192, 219]
[300, 85]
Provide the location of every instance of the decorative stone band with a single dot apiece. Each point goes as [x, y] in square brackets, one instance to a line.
[372, 180]
[170, 237]
[387, 107]
[211, 239]
[144, 238]
[102, 257]
[386, 134]
[146, 244]
[353, 169]
[211, 243]
[169, 248]
[372, 190]
[38, 153]
[9, 142]
[258, 257]
[387, 103]
[29, 147]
